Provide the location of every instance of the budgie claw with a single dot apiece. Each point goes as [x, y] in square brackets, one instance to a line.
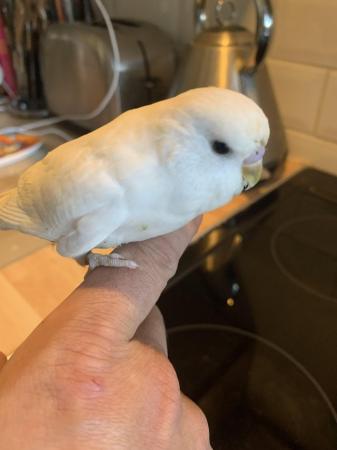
[112, 260]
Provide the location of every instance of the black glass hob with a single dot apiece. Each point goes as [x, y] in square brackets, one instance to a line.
[252, 321]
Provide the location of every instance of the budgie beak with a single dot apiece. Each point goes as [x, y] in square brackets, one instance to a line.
[252, 168]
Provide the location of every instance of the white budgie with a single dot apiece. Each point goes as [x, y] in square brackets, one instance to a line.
[147, 173]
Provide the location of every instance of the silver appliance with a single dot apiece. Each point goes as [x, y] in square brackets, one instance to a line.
[77, 68]
[232, 57]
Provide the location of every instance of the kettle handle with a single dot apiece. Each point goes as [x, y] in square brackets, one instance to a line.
[264, 28]
[200, 15]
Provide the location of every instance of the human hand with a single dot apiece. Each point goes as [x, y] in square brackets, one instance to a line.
[95, 374]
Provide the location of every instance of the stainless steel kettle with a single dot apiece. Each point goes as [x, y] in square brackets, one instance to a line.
[232, 57]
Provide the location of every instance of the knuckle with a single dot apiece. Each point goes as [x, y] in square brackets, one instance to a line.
[158, 382]
[203, 430]
[200, 423]
[161, 373]
[162, 379]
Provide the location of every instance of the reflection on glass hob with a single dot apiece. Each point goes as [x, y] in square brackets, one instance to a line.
[252, 319]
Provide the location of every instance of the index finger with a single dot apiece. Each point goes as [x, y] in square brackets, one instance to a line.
[114, 302]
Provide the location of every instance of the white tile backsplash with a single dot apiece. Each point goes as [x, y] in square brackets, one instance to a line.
[306, 34]
[327, 126]
[316, 152]
[298, 90]
[306, 31]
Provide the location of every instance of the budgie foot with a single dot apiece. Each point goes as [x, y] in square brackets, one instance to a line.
[95, 260]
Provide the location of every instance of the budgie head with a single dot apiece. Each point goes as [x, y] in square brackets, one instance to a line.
[218, 139]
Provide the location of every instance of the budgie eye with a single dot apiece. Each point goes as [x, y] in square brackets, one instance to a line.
[221, 148]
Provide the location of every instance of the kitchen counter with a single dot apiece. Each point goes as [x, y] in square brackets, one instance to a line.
[10, 173]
